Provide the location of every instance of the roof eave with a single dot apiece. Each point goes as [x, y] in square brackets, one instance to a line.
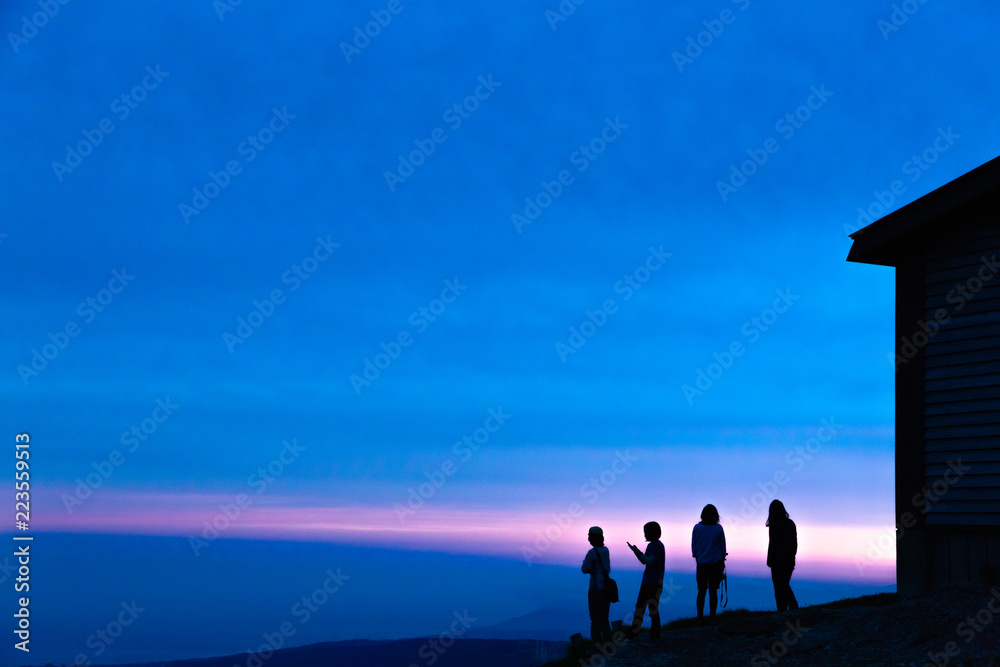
[882, 241]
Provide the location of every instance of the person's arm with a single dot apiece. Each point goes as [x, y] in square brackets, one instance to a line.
[585, 568]
[724, 553]
[638, 554]
[607, 563]
[694, 532]
[795, 539]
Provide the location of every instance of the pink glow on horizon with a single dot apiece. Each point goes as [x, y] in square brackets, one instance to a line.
[826, 552]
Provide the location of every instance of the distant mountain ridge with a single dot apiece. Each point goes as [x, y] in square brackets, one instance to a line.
[417, 652]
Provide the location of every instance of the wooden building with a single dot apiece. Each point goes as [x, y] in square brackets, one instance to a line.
[946, 248]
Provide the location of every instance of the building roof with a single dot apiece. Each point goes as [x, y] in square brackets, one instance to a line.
[883, 241]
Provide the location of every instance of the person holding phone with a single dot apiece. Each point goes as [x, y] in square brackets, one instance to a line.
[652, 581]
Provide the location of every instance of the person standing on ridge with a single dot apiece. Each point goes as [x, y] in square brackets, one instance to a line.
[597, 564]
[708, 548]
[781, 550]
[652, 581]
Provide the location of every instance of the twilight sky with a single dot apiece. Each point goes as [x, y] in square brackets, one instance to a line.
[491, 273]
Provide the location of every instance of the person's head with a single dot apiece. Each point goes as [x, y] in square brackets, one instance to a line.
[776, 513]
[596, 536]
[652, 531]
[710, 515]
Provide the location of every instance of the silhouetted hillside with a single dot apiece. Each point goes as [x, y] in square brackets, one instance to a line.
[955, 626]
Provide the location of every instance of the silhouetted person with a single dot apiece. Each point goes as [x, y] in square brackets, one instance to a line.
[652, 581]
[781, 551]
[708, 548]
[597, 564]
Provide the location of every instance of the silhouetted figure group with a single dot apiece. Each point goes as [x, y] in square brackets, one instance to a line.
[708, 548]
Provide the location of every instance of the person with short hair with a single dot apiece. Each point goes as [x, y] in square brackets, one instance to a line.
[597, 564]
[708, 548]
[652, 581]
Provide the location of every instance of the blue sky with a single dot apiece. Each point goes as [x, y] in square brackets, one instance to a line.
[818, 110]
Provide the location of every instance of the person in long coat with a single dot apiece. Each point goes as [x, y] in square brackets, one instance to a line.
[781, 549]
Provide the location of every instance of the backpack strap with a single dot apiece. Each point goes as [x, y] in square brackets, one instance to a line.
[724, 586]
[601, 562]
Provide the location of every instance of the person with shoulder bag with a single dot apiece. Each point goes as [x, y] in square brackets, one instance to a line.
[603, 589]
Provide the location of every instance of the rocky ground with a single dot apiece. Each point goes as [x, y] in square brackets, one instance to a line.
[955, 626]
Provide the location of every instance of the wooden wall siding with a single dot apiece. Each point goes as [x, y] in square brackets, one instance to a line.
[962, 397]
[956, 555]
